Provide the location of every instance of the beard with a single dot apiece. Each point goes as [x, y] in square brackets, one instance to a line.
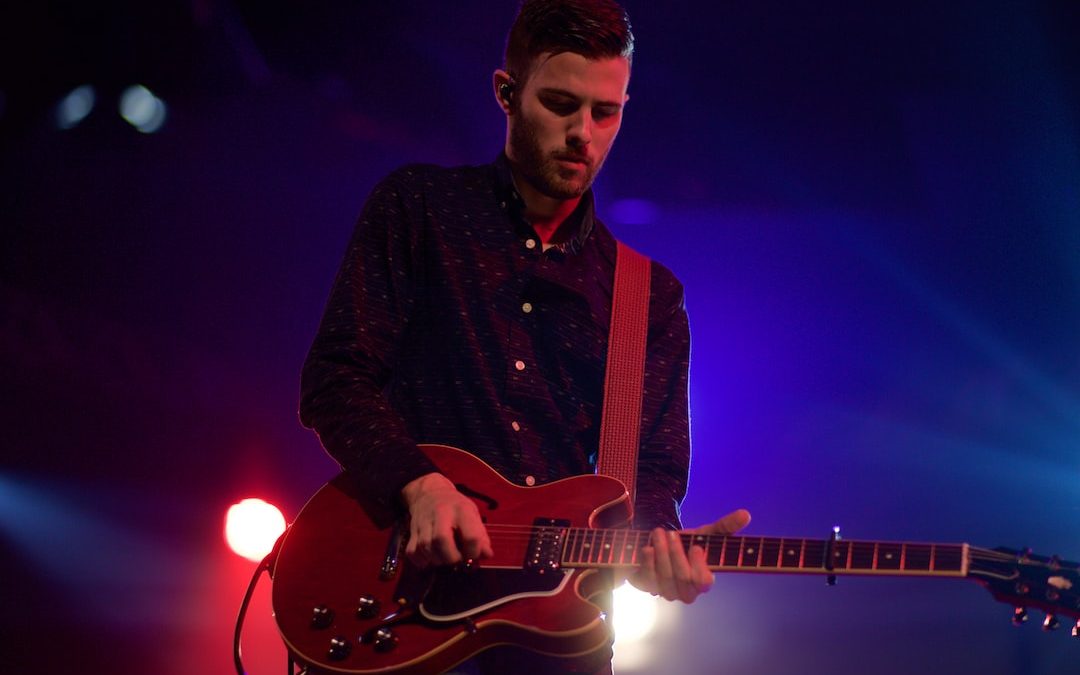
[543, 170]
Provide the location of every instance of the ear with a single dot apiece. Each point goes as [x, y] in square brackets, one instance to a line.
[502, 83]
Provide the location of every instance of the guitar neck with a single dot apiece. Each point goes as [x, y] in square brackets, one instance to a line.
[730, 553]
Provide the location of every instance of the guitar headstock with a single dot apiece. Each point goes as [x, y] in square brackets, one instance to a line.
[1026, 581]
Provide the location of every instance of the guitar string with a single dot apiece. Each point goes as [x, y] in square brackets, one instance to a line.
[518, 532]
[511, 534]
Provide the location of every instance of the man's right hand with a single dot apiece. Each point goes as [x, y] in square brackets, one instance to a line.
[445, 525]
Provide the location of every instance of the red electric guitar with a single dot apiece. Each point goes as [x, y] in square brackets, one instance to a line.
[347, 601]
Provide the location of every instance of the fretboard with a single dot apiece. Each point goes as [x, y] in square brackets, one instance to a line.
[729, 553]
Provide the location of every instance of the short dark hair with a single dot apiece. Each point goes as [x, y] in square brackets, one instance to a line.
[593, 28]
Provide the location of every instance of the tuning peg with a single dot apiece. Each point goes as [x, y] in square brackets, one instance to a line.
[1020, 616]
[1051, 622]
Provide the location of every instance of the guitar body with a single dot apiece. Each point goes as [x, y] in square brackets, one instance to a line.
[346, 600]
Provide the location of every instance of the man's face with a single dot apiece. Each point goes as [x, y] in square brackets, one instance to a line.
[565, 121]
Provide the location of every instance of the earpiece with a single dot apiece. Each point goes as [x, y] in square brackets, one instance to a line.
[506, 92]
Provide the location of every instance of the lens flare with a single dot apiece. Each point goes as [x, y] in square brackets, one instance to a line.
[251, 528]
[74, 107]
[635, 614]
[142, 109]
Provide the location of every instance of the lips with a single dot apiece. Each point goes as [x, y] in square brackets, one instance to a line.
[573, 161]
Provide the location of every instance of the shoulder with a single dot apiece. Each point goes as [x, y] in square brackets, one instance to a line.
[666, 287]
[665, 290]
[424, 178]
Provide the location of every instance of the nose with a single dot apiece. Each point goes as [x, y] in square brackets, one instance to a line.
[579, 134]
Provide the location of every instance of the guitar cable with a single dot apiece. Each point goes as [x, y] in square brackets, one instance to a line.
[263, 566]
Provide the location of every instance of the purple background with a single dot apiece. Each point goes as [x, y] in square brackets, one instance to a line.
[875, 212]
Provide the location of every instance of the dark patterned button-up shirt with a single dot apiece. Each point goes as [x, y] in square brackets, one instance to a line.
[448, 323]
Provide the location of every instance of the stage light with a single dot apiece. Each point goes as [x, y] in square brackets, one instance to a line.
[251, 528]
[74, 107]
[142, 109]
[635, 614]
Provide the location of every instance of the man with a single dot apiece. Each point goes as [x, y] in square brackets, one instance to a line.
[472, 310]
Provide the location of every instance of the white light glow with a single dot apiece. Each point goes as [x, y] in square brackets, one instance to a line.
[251, 528]
[142, 109]
[74, 107]
[635, 614]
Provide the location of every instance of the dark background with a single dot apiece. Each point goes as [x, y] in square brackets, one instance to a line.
[875, 209]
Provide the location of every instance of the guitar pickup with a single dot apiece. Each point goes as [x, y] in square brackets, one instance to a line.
[544, 553]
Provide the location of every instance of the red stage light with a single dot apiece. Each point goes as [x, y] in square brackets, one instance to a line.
[251, 528]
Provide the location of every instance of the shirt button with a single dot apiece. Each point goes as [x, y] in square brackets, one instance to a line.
[527, 307]
[530, 481]
[520, 365]
[530, 244]
[515, 426]
[502, 204]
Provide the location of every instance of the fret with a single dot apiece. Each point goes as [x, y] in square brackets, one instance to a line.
[917, 557]
[862, 555]
[635, 548]
[627, 548]
[732, 551]
[814, 554]
[751, 552]
[573, 537]
[587, 546]
[888, 556]
[791, 553]
[583, 547]
[841, 556]
[684, 541]
[618, 547]
[714, 552]
[607, 538]
[949, 558]
[770, 552]
[701, 541]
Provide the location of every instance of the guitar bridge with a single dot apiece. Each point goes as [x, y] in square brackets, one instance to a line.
[544, 553]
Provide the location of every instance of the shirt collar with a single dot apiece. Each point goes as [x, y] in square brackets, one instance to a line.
[584, 214]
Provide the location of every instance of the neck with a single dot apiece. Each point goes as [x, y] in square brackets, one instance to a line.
[546, 214]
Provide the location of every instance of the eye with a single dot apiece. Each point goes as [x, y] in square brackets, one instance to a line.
[604, 112]
[559, 105]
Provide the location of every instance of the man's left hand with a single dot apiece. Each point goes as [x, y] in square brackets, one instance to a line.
[667, 570]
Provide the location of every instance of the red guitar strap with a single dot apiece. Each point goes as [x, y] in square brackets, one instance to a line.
[620, 422]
